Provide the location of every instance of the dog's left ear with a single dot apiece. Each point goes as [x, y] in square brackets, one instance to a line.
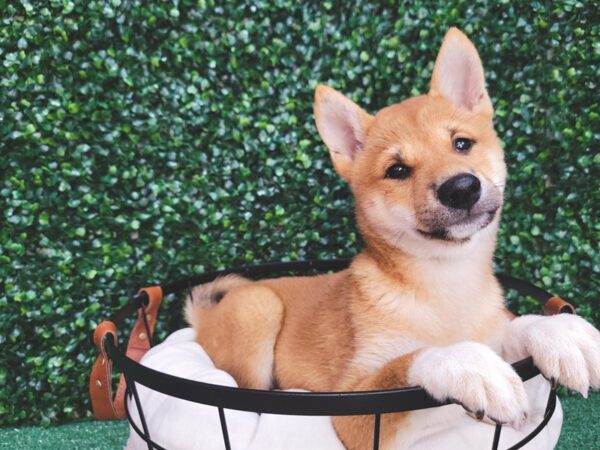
[458, 74]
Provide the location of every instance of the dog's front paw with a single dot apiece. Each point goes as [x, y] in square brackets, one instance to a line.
[565, 348]
[474, 376]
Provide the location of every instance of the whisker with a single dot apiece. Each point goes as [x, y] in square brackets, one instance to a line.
[396, 239]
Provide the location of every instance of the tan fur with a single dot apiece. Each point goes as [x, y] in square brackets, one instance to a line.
[360, 329]
[246, 323]
[353, 429]
[205, 295]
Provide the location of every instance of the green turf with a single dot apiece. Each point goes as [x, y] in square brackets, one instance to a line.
[581, 426]
[581, 431]
[80, 435]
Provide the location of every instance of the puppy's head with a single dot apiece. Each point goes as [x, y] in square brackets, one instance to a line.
[428, 173]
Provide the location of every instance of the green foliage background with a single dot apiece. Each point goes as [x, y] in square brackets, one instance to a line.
[146, 142]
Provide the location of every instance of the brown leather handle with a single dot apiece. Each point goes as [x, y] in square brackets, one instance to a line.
[556, 305]
[104, 405]
[100, 378]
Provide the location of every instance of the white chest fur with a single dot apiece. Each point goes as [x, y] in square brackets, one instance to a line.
[442, 304]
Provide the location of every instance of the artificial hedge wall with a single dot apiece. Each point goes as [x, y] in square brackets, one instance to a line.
[147, 142]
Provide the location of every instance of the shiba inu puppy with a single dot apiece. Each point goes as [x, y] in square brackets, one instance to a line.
[420, 306]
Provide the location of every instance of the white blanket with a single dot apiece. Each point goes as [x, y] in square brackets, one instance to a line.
[180, 424]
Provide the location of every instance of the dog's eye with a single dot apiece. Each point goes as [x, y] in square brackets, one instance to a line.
[463, 145]
[398, 171]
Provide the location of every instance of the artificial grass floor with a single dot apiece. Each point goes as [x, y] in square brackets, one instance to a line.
[581, 431]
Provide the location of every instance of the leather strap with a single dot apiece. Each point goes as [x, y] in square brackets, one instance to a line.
[104, 406]
[556, 305]
[101, 377]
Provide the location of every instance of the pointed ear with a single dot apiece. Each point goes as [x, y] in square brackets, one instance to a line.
[342, 126]
[458, 74]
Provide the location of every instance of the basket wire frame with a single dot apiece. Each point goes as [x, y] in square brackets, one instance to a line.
[144, 434]
[120, 360]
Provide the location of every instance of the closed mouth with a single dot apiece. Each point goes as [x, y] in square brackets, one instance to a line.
[443, 233]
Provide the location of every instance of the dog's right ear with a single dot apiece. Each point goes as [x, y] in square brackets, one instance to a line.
[343, 126]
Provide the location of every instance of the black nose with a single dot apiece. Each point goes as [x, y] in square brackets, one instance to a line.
[461, 191]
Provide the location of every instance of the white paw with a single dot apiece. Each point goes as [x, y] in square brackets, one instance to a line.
[565, 348]
[474, 376]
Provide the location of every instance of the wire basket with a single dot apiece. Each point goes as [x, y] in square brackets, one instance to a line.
[376, 403]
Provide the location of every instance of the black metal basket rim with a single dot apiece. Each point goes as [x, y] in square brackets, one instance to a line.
[285, 402]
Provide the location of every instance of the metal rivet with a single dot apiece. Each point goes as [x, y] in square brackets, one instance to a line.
[99, 384]
[142, 336]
